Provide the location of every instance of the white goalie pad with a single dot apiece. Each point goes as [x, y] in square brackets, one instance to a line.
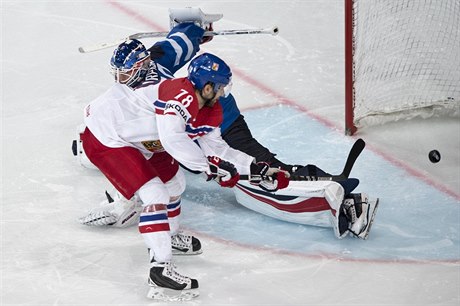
[79, 152]
[304, 202]
[192, 14]
[117, 212]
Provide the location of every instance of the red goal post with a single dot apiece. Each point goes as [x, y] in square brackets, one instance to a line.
[402, 60]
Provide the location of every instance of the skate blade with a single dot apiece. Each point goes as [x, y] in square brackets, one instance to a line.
[180, 253]
[170, 295]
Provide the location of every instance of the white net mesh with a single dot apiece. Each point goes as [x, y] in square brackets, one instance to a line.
[406, 59]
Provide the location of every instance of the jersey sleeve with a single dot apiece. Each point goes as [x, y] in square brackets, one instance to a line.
[171, 131]
[175, 107]
[179, 47]
[212, 144]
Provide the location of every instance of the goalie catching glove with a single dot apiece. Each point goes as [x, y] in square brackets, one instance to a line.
[267, 178]
[195, 15]
[223, 172]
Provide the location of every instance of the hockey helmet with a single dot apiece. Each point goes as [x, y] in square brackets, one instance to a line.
[208, 68]
[128, 63]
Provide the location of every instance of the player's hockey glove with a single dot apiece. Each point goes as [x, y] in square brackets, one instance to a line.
[223, 172]
[269, 179]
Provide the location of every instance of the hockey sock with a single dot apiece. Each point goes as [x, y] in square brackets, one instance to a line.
[154, 228]
[174, 208]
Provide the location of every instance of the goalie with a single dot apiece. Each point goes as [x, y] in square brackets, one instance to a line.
[319, 203]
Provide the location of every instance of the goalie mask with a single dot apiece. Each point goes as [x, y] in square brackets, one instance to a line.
[130, 63]
[208, 68]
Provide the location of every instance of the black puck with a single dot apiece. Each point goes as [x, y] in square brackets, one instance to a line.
[434, 156]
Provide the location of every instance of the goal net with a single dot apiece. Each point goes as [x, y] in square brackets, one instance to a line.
[402, 60]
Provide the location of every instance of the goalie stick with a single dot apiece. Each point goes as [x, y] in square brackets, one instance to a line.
[355, 151]
[273, 31]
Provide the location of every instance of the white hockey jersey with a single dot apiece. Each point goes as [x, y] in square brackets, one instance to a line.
[138, 118]
[120, 118]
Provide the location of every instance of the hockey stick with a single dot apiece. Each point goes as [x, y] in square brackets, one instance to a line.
[355, 151]
[273, 31]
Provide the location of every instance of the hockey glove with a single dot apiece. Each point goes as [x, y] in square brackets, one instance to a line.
[195, 15]
[223, 172]
[269, 179]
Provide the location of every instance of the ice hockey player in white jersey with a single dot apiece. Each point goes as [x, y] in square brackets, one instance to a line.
[147, 128]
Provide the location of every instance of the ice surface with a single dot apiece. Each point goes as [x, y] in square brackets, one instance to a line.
[291, 88]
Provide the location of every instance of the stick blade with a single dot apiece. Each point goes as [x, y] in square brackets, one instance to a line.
[355, 151]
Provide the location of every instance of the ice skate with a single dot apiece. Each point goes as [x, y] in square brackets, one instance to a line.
[183, 244]
[166, 284]
[360, 212]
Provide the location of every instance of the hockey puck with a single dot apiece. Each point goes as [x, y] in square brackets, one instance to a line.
[434, 156]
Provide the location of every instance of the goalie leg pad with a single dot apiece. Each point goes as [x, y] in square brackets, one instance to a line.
[115, 211]
[98, 218]
[128, 212]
